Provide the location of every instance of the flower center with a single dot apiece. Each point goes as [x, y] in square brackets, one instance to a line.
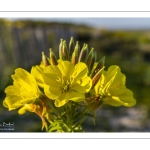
[66, 85]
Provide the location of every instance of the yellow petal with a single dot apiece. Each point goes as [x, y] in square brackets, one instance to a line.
[24, 90]
[52, 92]
[83, 85]
[125, 99]
[9, 101]
[80, 71]
[119, 79]
[52, 69]
[66, 96]
[66, 68]
[24, 109]
[37, 72]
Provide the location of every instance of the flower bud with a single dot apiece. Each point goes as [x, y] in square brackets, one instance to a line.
[74, 58]
[75, 55]
[45, 60]
[71, 46]
[60, 49]
[65, 51]
[99, 66]
[90, 66]
[53, 59]
[83, 54]
[77, 47]
[96, 77]
[90, 55]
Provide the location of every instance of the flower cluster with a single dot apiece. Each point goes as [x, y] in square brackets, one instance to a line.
[65, 91]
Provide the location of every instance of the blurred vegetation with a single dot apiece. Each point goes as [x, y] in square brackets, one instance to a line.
[21, 44]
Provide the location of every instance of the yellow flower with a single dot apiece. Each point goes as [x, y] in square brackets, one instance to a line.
[64, 82]
[39, 108]
[37, 71]
[23, 91]
[111, 88]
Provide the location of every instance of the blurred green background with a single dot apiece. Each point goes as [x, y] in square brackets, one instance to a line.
[21, 44]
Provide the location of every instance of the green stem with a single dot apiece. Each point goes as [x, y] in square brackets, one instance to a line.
[82, 112]
[69, 115]
[80, 122]
[53, 108]
[87, 109]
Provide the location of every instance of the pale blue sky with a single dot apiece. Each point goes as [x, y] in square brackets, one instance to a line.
[108, 23]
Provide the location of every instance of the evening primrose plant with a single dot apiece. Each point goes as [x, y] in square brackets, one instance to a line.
[64, 92]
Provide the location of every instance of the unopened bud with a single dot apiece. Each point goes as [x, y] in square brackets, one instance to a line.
[90, 56]
[45, 60]
[71, 46]
[90, 66]
[74, 58]
[99, 66]
[75, 55]
[65, 51]
[60, 49]
[97, 77]
[83, 54]
[53, 59]
[77, 47]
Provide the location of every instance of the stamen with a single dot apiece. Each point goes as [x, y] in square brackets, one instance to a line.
[66, 85]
